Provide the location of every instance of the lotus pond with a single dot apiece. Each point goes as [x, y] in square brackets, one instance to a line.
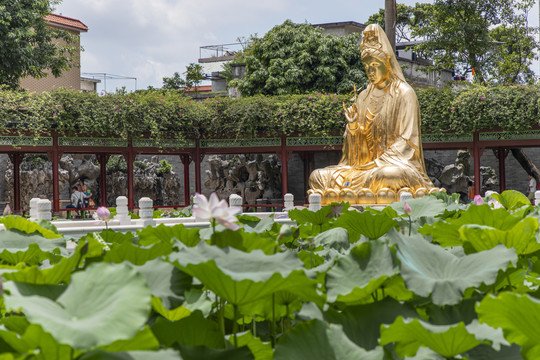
[443, 281]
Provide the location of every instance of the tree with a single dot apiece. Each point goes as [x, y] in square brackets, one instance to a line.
[174, 83]
[489, 38]
[28, 46]
[193, 76]
[390, 19]
[298, 58]
[406, 18]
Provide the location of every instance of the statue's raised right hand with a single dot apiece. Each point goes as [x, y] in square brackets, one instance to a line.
[351, 113]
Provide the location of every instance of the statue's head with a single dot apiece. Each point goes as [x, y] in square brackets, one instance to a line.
[378, 55]
[377, 70]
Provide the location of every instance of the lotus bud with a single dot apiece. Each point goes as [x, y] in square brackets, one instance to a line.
[407, 209]
[286, 230]
[103, 213]
[478, 200]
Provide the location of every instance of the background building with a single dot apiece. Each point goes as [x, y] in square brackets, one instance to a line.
[70, 79]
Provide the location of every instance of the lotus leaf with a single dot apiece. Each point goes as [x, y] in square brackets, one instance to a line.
[446, 232]
[427, 206]
[316, 339]
[306, 216]
[486, 352]
[363, 270]
[362, 323]
[162, 233]
[408, 335]
[511, 199]
[336, 238]
[143, 340]
[165, 281]
[96, 309]
[521, 237]
[245, 241]
[56, 274]
[518, 315]
[201, 352]
[240, 277]
[29, 227]
[193, 330]
[429, 269]
[168, 354]
[283, 304]
[260, 350]
[263, 225]
[137, 255]
[17, 247]
[34, 338]
[365, 223]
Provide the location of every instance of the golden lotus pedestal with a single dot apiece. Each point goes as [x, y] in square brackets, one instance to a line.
[366, 197]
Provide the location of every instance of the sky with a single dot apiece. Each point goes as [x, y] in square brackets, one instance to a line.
[152, 39]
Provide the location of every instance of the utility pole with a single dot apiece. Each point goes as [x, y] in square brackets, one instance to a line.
[390, 19]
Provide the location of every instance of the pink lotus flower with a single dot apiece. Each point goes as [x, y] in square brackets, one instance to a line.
[478, 200]
[7, 210]
[102, 213]
[214, 209]
[494, 204]
[407, 209]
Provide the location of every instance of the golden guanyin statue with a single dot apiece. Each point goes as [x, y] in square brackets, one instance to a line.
[382, 150]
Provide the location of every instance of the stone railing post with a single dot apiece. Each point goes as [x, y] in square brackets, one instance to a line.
[314, 202]
[235, 200]
[537, 197]
[404, 196]
[288, 202]
[34, 208]
[122, 213]
[44, 210]
[146, 211]
[196, 203]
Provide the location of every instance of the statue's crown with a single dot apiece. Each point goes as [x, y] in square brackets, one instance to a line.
[371, 41]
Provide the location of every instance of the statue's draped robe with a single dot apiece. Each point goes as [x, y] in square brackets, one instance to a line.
[385, 152]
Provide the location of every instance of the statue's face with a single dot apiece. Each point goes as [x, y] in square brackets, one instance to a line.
[377, 71]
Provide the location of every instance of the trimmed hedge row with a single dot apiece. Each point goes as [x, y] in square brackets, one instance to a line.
[458, 110]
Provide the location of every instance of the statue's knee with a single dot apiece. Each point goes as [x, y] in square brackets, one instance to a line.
[389, 172]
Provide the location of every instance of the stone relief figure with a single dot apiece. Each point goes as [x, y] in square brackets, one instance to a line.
[252, 178]
[382, 150]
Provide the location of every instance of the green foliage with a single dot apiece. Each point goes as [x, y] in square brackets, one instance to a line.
[116, 163]
[463, 35]
[139, 164]
[164, 167]
[338, 284]
[298, 58]
[174, 83]
[168, 115]
[27, 42]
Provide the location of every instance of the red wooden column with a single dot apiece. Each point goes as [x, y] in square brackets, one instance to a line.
[284, 157]
[197, 159]
[130, 158]
[476, 157]
[54, 156]
[502, 169]
[186, 160]
[103, 158]
[16, 161]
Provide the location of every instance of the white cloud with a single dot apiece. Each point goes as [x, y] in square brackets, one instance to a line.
[150, 39]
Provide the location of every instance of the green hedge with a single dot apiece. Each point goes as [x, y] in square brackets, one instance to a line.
[458, 110]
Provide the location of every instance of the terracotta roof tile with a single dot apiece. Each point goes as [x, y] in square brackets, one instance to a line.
[64, 21]
[200, 88]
